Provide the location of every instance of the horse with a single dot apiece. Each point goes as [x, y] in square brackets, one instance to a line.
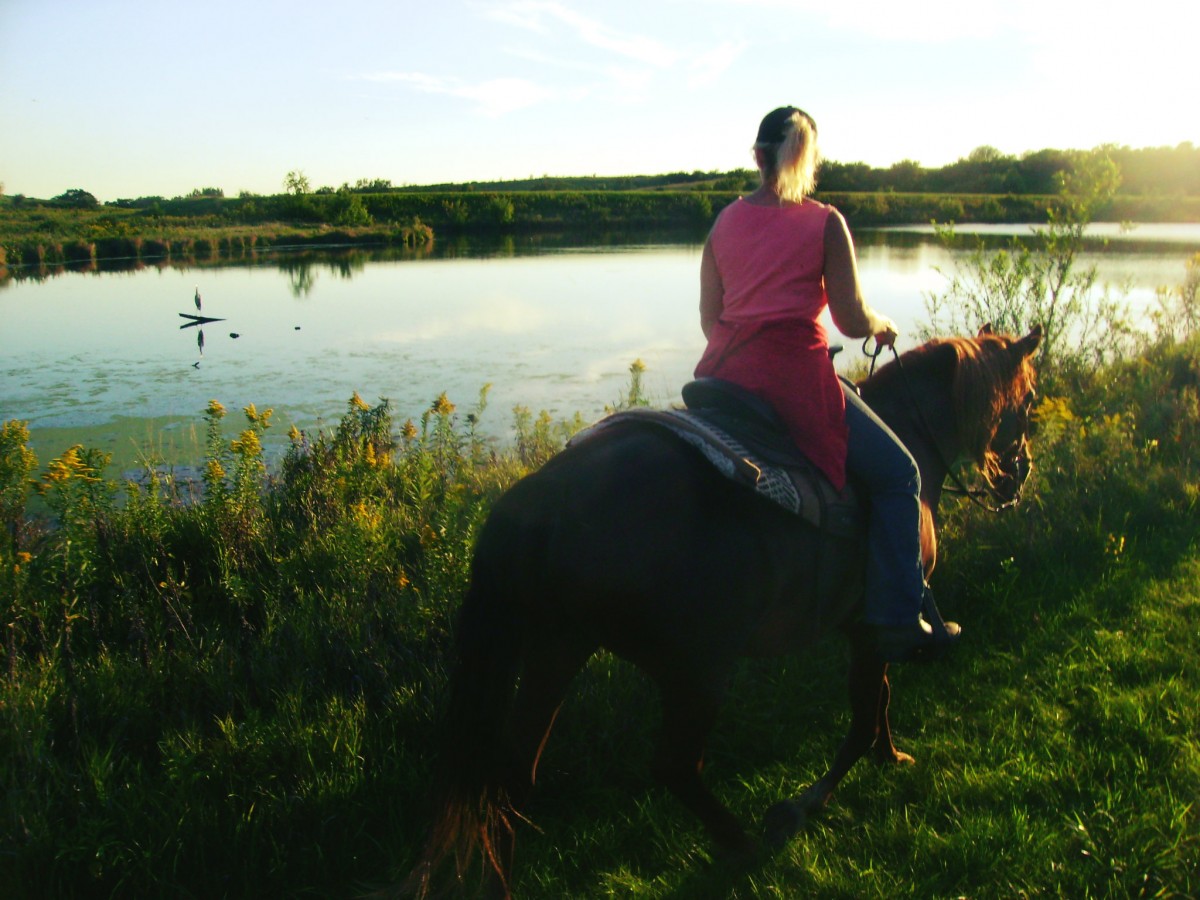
[630, 540]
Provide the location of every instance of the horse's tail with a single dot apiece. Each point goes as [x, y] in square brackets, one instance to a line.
[472, 810]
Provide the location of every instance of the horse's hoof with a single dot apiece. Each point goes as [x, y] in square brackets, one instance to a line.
[895, 758]
[781, 821]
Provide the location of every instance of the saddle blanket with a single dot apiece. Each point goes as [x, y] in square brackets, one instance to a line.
[794, 483]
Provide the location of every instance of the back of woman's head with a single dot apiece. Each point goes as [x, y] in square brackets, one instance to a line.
[786, 149]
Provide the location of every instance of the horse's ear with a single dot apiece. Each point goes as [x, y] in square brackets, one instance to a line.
[1026, 345]
[986, 329]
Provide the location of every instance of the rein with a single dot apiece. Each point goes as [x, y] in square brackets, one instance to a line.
[975, 496]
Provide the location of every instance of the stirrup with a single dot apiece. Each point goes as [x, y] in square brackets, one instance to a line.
[930, 611]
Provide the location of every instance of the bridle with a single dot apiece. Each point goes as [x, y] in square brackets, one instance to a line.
[976, 495]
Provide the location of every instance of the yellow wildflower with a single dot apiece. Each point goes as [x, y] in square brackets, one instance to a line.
[215, 409]
[70, 465]
[367, 517]
[442, 405]
[247, 444]
[357, 402]
[16, 431]
[383, 459]
[22, 559]
[409, 430]
[294, 434]
[214, 471]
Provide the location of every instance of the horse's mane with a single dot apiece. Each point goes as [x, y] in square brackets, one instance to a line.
[986, 380]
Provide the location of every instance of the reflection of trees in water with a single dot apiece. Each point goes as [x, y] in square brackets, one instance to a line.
[300, 278]
[301, 269]
[347, 265]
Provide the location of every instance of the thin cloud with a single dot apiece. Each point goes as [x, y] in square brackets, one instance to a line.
[540, 17]
[708, 67]
[493, 97]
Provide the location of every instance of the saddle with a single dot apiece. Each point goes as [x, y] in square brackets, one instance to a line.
[744, 439]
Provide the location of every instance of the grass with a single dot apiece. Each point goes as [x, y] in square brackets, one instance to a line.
[232, 692]
[1064, 762]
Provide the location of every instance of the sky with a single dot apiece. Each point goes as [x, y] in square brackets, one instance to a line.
[130, 99]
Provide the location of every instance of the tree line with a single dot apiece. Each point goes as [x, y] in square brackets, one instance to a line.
[1144, 172]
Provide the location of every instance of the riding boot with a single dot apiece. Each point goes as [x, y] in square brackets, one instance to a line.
[926, 639]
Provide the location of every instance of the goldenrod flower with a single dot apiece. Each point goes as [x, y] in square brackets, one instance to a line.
[214, 471]
[247, 443]
[442, 405]
[70, 465]
[16, 430]
[409, 430]
[294, 434]
[215, 409]
[357, 402]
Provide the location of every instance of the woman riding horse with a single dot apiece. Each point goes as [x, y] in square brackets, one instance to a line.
[632, 541]
[772, 263]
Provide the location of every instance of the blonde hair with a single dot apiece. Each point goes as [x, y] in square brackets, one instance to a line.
[789, 166]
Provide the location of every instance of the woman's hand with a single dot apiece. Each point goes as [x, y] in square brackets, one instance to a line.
[886, 332]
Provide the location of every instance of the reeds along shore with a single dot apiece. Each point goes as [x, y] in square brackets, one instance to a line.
[39, 255]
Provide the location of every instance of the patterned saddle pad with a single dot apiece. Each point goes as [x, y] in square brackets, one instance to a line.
[763, 461]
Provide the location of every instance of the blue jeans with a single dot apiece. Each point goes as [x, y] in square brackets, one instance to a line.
[884, 467]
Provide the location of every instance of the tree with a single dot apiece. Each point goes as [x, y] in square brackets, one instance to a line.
[906, 175]
[985, 154]
[76, 198]
[296, 182]
[372, 186]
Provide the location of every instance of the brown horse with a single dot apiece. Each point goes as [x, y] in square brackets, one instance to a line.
[631, 541]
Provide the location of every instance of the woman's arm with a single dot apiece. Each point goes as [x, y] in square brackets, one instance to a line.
[712, 290]
[851, 314]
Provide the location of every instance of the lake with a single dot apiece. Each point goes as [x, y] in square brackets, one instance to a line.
[102, 358]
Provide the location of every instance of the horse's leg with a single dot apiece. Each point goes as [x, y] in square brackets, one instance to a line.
[885, 750]
[689, 711]
[868, 699]
[551, 661]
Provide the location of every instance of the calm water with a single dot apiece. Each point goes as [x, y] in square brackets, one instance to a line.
[102, 358]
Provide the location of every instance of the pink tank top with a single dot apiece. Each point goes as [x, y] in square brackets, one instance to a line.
[771, 260]
[768, 339]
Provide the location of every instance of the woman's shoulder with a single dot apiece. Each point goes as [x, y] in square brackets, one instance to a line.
[820, 208]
